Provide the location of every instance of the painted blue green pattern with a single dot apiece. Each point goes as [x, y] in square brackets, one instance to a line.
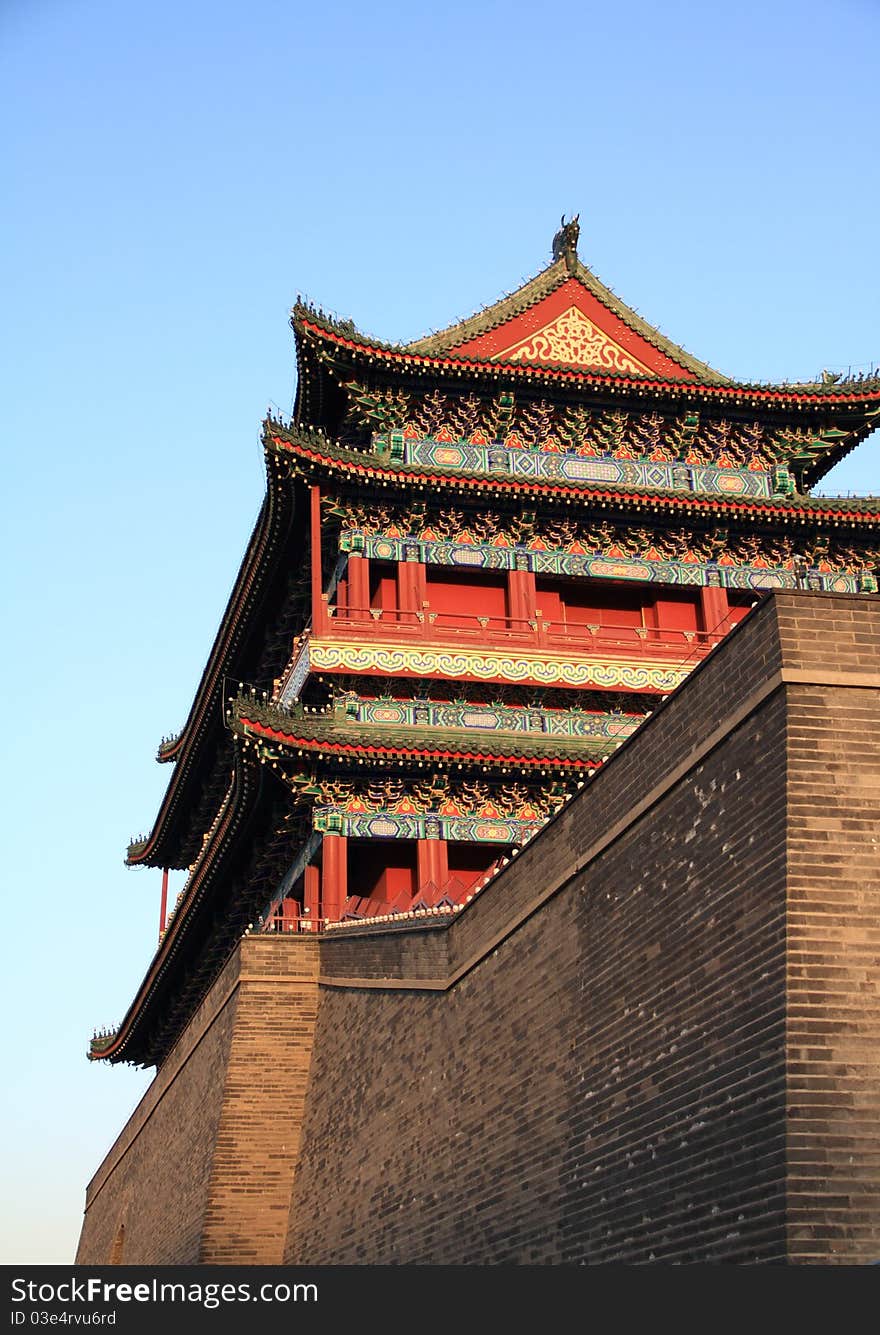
[391, 825]
[547, 466]
[485, 557]
[488, 718]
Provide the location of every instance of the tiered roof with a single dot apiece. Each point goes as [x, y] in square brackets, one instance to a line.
[563, 336]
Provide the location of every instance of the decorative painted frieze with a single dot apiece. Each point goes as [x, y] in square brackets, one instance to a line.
[693, 436]
[572, 339]
[463, 829]
[479, 665]
[436, 808]
[442, 794]
[485, 556]
[487, 718]
[547, 466]
[589, 534]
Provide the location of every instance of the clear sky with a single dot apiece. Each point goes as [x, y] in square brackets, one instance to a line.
[173, 174]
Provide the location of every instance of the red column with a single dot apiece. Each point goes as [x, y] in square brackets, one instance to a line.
[420, 590]
[289, 915]
[334, 890]
[312, 895]
[522, 596]
[441, 861]
[359, 586]
[423, 864]
[405, 595]
[411, 587]
[714, 609]
[433, 863]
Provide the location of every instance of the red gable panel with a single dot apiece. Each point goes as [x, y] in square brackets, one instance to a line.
[572, 327]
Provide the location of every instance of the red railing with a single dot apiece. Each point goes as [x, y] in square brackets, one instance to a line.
[463, 628]
[287, 925]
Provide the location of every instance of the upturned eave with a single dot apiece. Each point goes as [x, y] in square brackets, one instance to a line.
[171, 840]
[318, 737]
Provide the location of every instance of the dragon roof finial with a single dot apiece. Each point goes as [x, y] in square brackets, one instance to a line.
[566, 240]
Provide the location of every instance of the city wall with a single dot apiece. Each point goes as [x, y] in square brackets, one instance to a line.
[653, 1036]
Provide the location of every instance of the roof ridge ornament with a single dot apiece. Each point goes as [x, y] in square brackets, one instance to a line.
[565, 242]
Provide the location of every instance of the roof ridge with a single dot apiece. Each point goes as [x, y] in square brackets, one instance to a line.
[643, 328]
[490, 317]
[534, 290]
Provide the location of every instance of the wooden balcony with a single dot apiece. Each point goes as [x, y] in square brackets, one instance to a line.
[506, 634]
[471, 647]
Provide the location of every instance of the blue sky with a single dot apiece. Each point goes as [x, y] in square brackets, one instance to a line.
[173, 175]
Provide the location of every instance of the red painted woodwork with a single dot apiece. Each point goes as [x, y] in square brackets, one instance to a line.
[496, 606]
[392, 882]
[522, 598]
[358, 583]
[676, 613]
[469, 594]
[589, 603]
[503, 612]
[383, 589]
[715, 609]
[334, 875]
[286, 916]
[433, 864]
[570, 293]
[312, 893]
[411, 588]
[382, 869]
[611, 607]
[469, 863]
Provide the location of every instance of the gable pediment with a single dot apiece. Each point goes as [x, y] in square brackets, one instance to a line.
[569, 326]
[572, 339]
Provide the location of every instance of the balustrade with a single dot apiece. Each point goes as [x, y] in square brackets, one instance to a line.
[538, 632]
